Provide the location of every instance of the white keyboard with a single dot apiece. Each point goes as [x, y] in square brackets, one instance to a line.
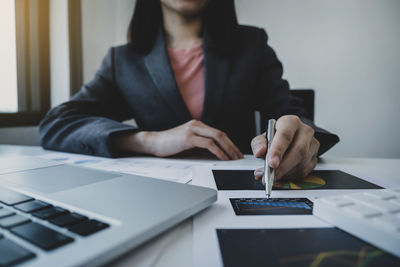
[373, 216]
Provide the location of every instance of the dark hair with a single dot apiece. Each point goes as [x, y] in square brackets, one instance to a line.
[219, 21]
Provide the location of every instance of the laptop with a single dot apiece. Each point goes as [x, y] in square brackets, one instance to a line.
[55, 214]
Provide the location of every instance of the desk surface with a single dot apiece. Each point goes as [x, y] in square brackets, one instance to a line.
[175, 246]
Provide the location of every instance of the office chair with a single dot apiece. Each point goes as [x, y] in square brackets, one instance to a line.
[308, 98]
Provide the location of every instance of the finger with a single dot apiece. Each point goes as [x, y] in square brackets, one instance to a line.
[305, 167]
[224, 141]
[298, 152]
[259, 146]
[227, 140]
[301, 170]
[293, 174]
[220, 137]
[202, 142]
[312, 165]
[286, 129]
[258, 173]
[314, 148]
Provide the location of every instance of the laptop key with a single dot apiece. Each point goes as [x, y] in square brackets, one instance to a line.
[87, 227]
[41, 236]
[5, 213]
[10, 197]
[11, 253]
[32, 206]
[68, 219]
[50, 213]
[14, 220]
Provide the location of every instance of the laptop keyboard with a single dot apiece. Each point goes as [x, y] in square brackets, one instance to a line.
[15, 218]
[41, 236]
[11, 253]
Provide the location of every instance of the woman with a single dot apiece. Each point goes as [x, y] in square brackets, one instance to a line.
[191, 77]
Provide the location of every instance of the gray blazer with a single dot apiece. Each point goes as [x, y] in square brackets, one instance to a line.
[132, 85]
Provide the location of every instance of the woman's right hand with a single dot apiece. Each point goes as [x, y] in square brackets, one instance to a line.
[193, 134]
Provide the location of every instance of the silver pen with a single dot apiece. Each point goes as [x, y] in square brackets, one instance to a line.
[269, 179]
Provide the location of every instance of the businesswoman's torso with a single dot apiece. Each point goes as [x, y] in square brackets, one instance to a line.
[233, 87]
[143, 87]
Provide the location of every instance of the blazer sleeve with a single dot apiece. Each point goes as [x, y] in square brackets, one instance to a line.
[86, 123]
[273, 98]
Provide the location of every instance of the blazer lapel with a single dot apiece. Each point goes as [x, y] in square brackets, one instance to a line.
[157, 64]
[216, 73]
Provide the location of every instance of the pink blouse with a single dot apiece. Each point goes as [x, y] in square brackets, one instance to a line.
[188, 68]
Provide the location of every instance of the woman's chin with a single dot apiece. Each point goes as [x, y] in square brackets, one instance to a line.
[187, 8]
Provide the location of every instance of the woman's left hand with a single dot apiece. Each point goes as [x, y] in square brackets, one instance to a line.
[293, 152]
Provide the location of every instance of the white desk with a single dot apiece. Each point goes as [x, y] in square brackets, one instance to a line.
[178, 251]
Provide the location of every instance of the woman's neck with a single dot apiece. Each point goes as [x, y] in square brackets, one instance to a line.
[181, 32]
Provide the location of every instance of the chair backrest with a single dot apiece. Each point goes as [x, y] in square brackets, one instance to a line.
[308, 97]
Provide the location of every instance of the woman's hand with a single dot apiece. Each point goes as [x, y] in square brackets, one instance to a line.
[293, 152]
[193, 134]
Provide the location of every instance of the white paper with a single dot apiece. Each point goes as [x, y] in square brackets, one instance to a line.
[176, 170]
[220, 215]
[171, 169]
[206, 250]
[148, 254]
[247, 162]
